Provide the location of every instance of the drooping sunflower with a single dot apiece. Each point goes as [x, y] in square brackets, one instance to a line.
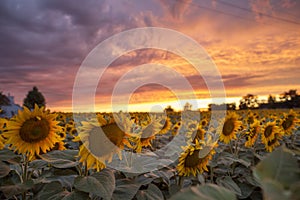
[147, 134]
[89, 160]
[269, 131]
[272, 144]
[200, 134]
[252, 133]
[31, 132]
[166, 126]
[192, 161]
[289, 122]
[106, 138]
[230, 127]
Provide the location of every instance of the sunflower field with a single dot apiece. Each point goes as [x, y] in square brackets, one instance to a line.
[244, 154]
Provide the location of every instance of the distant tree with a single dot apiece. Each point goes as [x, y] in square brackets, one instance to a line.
[34, 97]
[4, 101]
[271, 99]
[249, 101]
[169, 109]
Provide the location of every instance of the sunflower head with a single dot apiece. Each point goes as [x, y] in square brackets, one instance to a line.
[272, 144]
[252, 133]
[193, 161]
[269, 131]
[200, 134]
[288, 122]
[166, 126]
[105, 139]
[89, 160]
[175, 128]
[230, 127]
[33, 131]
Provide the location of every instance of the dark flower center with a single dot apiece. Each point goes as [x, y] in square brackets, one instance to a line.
[34, 130]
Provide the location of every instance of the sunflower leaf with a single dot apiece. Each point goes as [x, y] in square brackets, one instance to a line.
[11, 190]
[205, 192]
[151, 193]
[8, 155]
[74, 195]
[107, 179]
[228, 183]
[125, 189]
[280, 166]
[278, 174]
[101, 184]
[4, 169]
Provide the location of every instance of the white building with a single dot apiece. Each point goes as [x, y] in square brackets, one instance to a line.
[11, 109]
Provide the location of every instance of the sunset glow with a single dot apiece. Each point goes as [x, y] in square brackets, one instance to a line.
[255, 46]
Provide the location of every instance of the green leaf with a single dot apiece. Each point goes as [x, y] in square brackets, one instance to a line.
[58, 154]
[38, 164]
[228, 183]
[61, 159]
[205, 192]
[246, 190]
[51, 191]
[9, 156]
[151, 193]
[125, 189]
[274, 191]
[11, 190]
[100, 184]
[279, 166]
[4, 169]
[76, 195]
[107, 178]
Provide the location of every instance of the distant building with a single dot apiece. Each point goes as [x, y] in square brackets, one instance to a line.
[9, 109]
[187, 107]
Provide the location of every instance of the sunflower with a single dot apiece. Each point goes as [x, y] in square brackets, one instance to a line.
[250, 118]
[270, 145]
[89, 160]
[59, 146]
[166, 126]
[31, 132]
[191, 162]
[2, 142]
[203, 122]
[252, 133]
[230, 127]
[199, 136]
[176, 128]
[106, 138]
[268, 132]
[147, 134]
[3, 123]
[289, 122]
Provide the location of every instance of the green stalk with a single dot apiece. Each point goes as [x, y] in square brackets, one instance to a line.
[25, 175]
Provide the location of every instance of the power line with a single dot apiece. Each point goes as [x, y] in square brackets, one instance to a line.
[260, 13]
[218, 11]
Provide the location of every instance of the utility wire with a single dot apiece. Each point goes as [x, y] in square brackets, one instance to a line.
[260, 13]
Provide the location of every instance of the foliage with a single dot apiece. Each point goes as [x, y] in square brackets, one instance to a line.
[34, 97]
[235, 171]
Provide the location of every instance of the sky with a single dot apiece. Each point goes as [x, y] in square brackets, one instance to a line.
[254, 45]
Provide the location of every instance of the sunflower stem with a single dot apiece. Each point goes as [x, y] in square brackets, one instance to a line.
[211, 174]
[25, 175]
[86, 171]
[180, 181]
